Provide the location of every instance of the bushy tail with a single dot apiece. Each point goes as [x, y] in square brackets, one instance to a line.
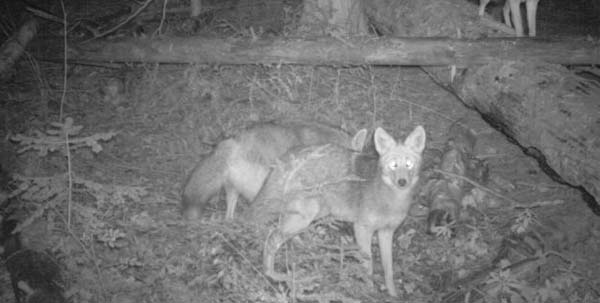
[205, 181]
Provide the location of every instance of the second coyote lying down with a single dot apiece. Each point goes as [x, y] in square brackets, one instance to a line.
[374, 193]
[513, 8]
[240, 164]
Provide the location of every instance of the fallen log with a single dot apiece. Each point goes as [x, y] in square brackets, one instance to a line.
[325, 50]
[551, 113]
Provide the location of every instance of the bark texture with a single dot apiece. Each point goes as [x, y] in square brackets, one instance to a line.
[551, 113]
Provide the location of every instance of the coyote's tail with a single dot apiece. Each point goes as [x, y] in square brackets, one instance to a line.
[205, 181]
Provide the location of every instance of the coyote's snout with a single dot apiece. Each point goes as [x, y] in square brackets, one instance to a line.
[513, 8]
[240, 164]
[374, 193]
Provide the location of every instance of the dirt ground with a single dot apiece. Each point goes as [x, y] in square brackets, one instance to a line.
[108, 209]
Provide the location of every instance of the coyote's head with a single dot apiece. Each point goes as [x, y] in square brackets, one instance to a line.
[400, 162]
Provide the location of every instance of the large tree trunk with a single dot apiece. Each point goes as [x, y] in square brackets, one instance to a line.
[356, 51]
[548, 111]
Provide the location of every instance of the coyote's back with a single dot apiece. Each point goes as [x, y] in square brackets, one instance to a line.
[240, 164]
[311, 170]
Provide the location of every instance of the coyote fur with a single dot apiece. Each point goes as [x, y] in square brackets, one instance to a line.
[373, 192]
[240, 164]
[513, 8]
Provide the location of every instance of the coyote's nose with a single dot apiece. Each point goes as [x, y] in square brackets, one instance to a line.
[401, 182]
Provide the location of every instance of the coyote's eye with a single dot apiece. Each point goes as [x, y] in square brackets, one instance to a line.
[410, 164]
[393, 165]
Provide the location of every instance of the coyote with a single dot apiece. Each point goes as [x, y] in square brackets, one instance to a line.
[374, 193]
[513, 7]
[241, 164]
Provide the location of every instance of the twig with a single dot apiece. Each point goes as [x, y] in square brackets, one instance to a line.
[70, 177]
[47, 16]
[65, 71]
[162, 17]
[60, 116]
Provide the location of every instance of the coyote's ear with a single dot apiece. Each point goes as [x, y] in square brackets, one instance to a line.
[416, 139]
[359, 140]
[383, 141]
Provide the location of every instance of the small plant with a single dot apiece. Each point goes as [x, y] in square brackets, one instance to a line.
[506, 286]
[524, 220]
[51, 193]
[60, 137]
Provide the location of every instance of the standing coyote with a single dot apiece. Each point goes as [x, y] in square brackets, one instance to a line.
[241, 164]
[513, 7]
[374, 193]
